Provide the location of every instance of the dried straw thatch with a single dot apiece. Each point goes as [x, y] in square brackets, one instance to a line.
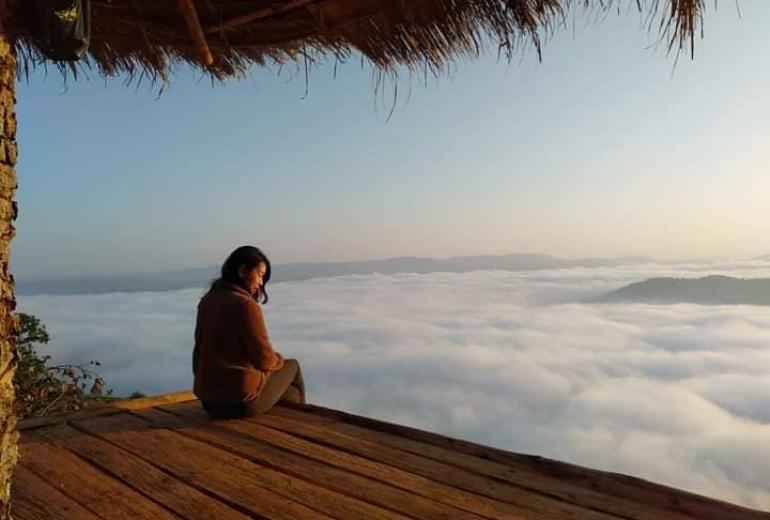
[225, 37]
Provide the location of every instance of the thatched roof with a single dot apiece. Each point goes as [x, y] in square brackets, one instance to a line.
[151, 36]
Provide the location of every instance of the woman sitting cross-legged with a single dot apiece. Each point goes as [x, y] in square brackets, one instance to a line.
[237, 371]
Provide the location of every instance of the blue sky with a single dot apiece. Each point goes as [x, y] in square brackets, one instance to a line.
[603, 149]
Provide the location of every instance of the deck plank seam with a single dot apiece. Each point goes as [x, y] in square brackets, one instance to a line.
[242, 509]
[368, 430]
[501, 456]
[59, 489]
[279, 469]
[214, 427]
[358, 473]
[257, 465]
[127, 454]
[62, 490]
[521, 487]
[687, 503]
[525, 506]
[106, 471]
[31, 498]
[566, 497]
[465, 447]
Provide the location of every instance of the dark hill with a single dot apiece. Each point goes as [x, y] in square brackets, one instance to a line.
[709, 290]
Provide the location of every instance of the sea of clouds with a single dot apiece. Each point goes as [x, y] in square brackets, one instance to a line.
[677, 394]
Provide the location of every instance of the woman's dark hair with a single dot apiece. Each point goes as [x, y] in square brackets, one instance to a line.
[249, 257]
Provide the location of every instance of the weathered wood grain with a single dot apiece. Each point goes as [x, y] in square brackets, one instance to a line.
[618, 494]
[165, 458]
[242, 442]
[614, 484]
[264, 490]
[91, 488]
[32, 498]
[121, 465]
[395, 476]
[536, 504]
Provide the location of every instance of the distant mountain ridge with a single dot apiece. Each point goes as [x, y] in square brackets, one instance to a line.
[708, 290]
[201, 277]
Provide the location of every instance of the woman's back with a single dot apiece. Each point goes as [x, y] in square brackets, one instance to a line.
[232, 351]
[237, 371]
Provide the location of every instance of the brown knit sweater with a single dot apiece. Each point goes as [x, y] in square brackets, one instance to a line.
[233, 355]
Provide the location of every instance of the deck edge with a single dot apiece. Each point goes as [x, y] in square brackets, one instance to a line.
[108, 408]
[504, 456]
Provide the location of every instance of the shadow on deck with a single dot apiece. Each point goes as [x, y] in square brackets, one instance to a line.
[161, 457]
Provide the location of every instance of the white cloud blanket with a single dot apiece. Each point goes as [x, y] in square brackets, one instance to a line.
[678, 394]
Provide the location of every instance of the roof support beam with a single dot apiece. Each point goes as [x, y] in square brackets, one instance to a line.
[196, 31]
[256, 15]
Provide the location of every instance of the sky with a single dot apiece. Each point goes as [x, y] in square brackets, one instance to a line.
[605, 148]
[676, 394]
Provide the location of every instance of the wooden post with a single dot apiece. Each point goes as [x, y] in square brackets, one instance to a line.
[196, 31]
[8, 354]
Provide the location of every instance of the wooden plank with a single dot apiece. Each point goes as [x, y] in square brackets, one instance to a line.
[180, 498]
[620, 494]
[238, 439]
[83, 483]
[397, 477]
[109, 408]
[198, 465]
[264, 490]
[536, 504]
[613, 483]
[32, 498]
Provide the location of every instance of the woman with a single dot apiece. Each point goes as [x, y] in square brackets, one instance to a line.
[237, 371]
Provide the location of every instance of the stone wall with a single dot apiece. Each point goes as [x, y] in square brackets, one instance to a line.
[8, 356]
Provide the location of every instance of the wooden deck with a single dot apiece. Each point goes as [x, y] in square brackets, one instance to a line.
[161, 458]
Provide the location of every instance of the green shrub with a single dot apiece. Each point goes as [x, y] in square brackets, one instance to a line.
[42, 389]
